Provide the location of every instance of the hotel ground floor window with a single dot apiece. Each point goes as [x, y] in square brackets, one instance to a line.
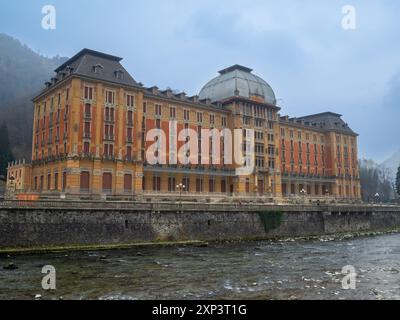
[260, 186]
[85, 181]
[247, 185]
[49, 181]
[211, 185]
[127, 183]
[64, 181]
[41, 183]
[199, 185]
[292, 189]
[186, 183]
[171, 184]
[223, 186]
[284, 190]
[56, 181]
[107, 182]
[35, 184]
[156, 183]
[308, 189]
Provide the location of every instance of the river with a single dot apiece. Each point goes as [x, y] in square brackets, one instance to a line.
[252, 270]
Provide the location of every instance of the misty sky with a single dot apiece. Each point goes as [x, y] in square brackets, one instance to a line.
[298, 47]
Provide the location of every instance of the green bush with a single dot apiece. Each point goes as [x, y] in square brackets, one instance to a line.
[270, 219]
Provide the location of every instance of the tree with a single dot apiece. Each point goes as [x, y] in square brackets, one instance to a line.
[398, 181]
[6, 155]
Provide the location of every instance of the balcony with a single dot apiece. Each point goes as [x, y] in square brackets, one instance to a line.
[86, 135]
[87, 116]
[129, 123]
[129, 139]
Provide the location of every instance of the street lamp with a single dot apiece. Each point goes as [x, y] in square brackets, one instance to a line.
[377, 196]
[303, 192]
[180, 187]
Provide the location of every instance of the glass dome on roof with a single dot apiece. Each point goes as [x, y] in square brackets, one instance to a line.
[238, 81]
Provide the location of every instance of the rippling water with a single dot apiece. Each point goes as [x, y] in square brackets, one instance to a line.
[256, 270]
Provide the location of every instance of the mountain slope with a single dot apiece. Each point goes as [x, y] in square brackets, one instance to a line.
[22, 74]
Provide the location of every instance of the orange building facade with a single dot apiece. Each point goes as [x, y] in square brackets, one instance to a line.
[93, 121]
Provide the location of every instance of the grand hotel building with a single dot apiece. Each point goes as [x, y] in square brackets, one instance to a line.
[91, 121]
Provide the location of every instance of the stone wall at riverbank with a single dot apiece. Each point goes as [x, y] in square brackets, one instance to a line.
[48, 227]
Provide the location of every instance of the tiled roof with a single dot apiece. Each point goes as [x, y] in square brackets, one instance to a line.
[327, 121]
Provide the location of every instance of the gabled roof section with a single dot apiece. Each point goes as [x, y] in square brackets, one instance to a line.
[93, 64]
[328, 121]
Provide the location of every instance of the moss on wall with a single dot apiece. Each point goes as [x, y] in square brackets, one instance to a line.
[270, 219]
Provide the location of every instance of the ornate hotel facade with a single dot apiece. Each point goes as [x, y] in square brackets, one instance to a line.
[92, 119]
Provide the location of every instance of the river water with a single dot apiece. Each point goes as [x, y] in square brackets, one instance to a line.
[253, 270]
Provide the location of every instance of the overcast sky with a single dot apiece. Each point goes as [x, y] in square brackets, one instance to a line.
[298, 47]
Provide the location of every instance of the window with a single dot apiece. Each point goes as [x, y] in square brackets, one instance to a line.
[223, 186]
[212, 118]
[128, 153]
[199, 185]
[127, 183]
[108, 132]
[129, 135]
[186, 115]
[223, 121]
[86, 148]
[107, 182]
[199, 116]
[156, 183]
[108, 150]
[211, 185]
[85, 181]
[130, 100]
[172, 112]
[86, 133]
[109, 114]
[144, 107]
[87, 110]
[88, 93]
[158, 109]
[129, 118]
[171, 184]
[64, 181]
[110, 97]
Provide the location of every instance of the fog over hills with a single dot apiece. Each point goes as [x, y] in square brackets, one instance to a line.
[22, 75]
[392, 164]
